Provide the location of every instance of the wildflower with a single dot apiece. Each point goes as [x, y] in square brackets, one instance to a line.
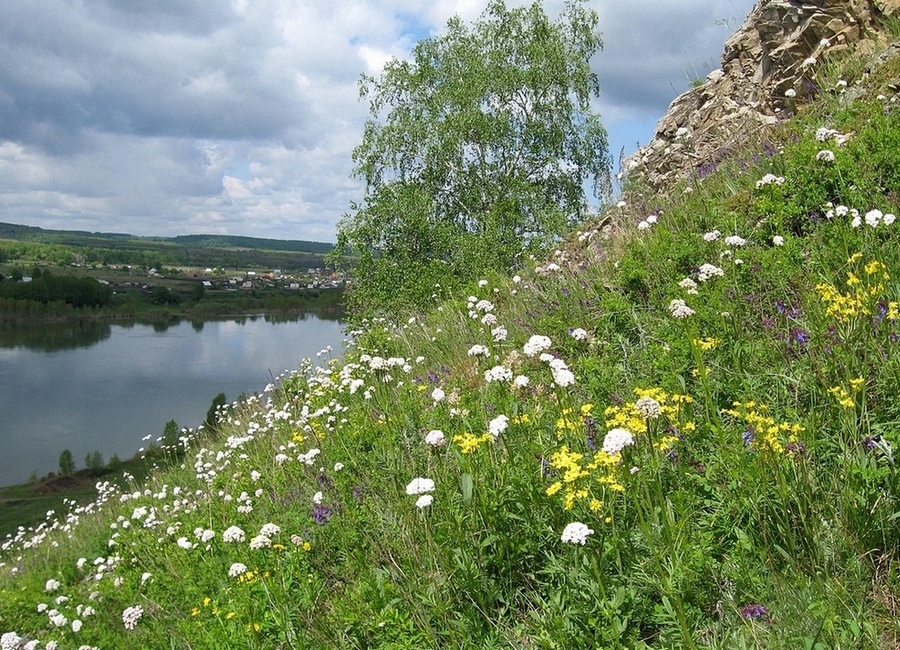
[10, 641]
[536, 344]
[825, 155]
[643, 225]
[498, 373]
[320, 514]
[260, 541]
[735, 240]
[888, 219]
[131, 616]
[708, 271]
[873, 217]
[752, 612]
[790, 93]
[648, 407]
[420, 486]
[562, 376]
[237, 569]
[521, 381]
[435, 438]
[777, 240]
[712, 235]
[499, 333]
[478, 351]
[424, 501]
[185, 543]
[769, 179]
[578, 334]
[616, 440]
[688, 284]
[269, 530]
[438, 395]
[51, 585]
[469, 443]
[809, 62]
[679, 309]
[498, 425]
[576, 533]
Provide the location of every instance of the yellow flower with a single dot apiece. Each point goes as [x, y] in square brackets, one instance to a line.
[229, 616]
[469, 443]
[709, 343]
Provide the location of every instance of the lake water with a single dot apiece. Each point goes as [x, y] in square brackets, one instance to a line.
[103, 387]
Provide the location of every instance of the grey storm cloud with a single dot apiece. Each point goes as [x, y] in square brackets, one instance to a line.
[168, 117]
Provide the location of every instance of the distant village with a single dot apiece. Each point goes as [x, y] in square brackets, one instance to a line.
[212, 279]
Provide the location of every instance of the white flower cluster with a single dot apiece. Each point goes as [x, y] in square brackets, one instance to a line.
[770, 179]
[237, 569]
[478, 351]
[498, 373]
[712, 235]
[498, 425]
[579, 334]
[131, 616]
[707, 271]
[874, 218]
[616, 440]
[648, 407]
[420, 486]
[688, 284]
[562, 375]
[824, 134]
[825, 155]
[679, 309]
[735, 240]
[648, 222]
[536, 344]
[435, 438]
[576, 533]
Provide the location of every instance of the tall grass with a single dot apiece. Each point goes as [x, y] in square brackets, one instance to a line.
[570, 458]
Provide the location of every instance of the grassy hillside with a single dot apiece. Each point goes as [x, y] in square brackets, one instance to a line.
[678, 432]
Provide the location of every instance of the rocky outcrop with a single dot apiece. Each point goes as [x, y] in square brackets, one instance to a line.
[768, 66]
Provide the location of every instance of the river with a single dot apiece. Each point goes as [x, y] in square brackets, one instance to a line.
[103, 387]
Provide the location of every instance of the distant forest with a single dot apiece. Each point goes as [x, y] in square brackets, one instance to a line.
[227, 251]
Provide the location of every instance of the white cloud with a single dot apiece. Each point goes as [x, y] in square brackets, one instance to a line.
[240, 117]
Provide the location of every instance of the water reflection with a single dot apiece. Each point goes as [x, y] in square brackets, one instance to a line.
[51, 337]
[96, 386]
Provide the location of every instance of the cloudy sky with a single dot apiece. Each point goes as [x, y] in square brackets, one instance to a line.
[168, 117]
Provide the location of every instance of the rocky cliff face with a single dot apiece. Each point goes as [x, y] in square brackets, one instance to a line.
[767, 68]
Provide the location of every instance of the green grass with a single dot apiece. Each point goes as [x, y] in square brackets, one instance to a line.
[758, 506]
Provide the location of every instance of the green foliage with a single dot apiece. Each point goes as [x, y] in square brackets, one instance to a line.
[66, 462]
[93, 461]
[211, 423]
[477, 153]
[718, 477]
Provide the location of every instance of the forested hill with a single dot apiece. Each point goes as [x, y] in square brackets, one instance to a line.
[112, 240]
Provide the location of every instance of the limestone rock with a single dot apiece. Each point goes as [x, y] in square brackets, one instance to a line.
[767, 66]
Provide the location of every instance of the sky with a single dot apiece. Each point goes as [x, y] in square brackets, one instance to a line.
[171, 117]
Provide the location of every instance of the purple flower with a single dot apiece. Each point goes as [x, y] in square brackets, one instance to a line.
[321, 513]
[590, 431]
[748, 436]
[753, 612]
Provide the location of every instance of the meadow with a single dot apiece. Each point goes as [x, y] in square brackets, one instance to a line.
[676, 431]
